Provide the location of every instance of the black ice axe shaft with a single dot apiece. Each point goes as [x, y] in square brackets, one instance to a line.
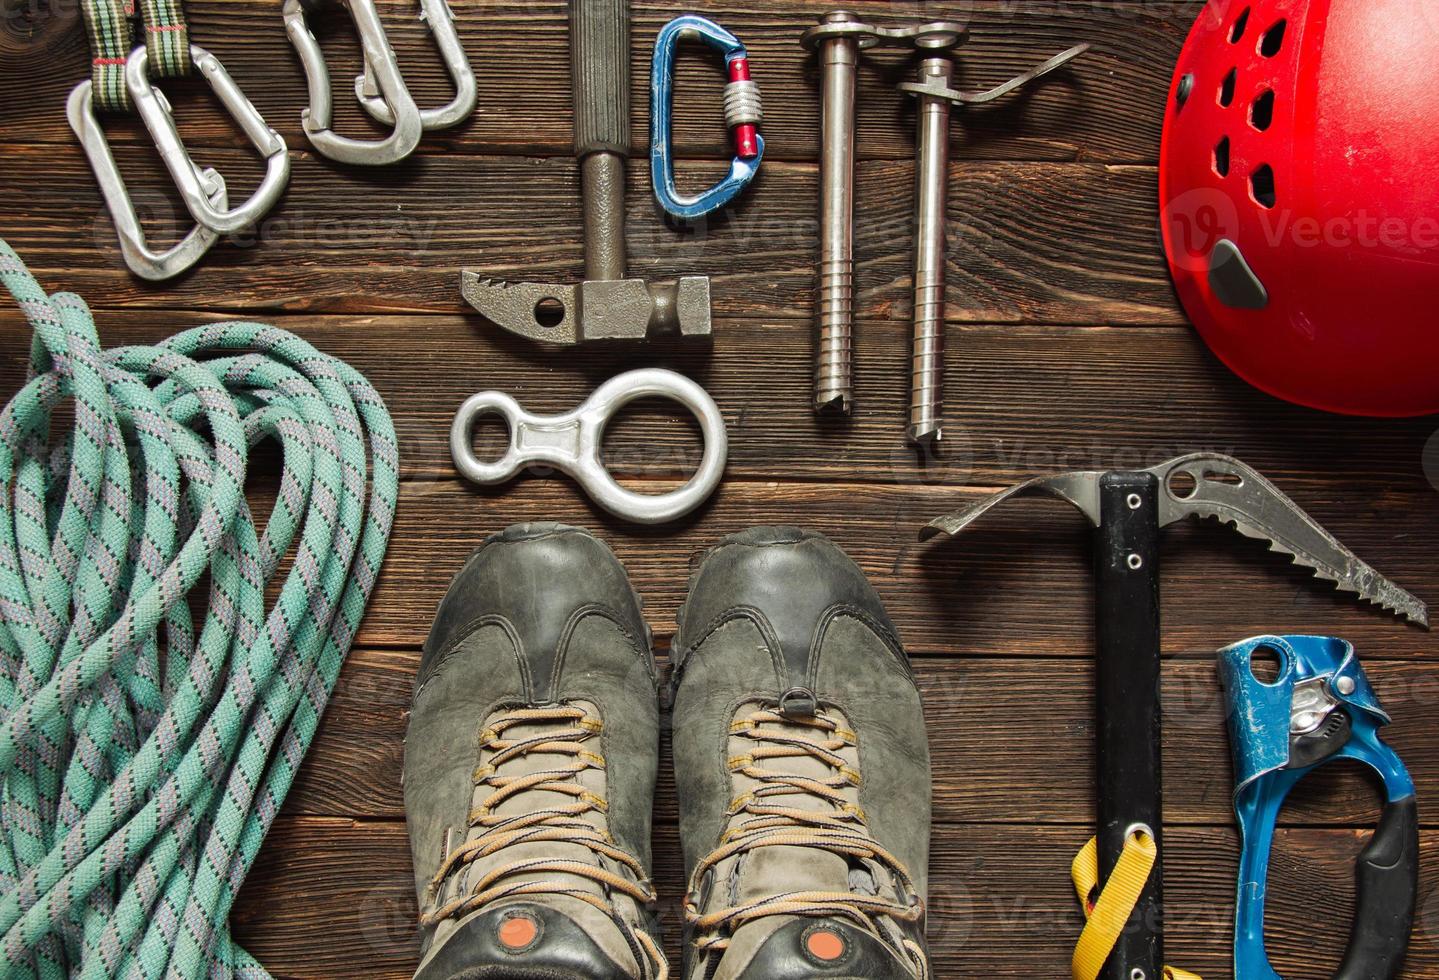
[1128, 509]
[1127, 746]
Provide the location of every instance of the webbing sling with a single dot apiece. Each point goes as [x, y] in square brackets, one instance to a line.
[107, 24]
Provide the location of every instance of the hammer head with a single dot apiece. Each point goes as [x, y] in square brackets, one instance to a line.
[602, 309]
[1221, 487]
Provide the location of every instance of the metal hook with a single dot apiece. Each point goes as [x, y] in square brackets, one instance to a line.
[159, 119]
[572, 443]
[743, 113]
[141, 260]
[441, 18]
[379, 62]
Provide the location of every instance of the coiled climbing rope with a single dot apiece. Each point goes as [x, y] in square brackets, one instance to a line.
[145, 755]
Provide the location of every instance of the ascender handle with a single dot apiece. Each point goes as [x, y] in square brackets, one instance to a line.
[1280, 736]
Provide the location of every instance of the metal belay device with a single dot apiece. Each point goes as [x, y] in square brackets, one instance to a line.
[121, 81]
[1319, 708]
[573, 443]
[380, 88]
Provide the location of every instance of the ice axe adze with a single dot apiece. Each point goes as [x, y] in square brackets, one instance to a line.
[1128, 509]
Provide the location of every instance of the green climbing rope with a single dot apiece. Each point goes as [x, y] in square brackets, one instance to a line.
[144, 756]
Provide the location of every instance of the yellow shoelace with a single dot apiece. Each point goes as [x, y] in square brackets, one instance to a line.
[563, 824]
[839, 828]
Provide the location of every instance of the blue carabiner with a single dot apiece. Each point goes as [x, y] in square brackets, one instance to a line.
[743, 114]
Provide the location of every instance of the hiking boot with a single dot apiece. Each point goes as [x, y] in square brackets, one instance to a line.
[802, 769]
[530, 768]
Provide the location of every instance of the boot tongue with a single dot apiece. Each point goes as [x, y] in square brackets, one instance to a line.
[769, 871]
[596, 922]
[537, 800]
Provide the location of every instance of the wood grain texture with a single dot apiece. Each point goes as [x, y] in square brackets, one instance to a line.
[1038, 242]
[1066, 349]
[521, 52]
[340, 894]
[1020, 401]
[1011, 743]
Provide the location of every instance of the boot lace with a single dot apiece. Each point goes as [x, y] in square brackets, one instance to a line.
[568, 729]
[838, 826]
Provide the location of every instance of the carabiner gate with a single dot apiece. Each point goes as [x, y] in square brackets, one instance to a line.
[155, 110]
[141, 260]
[441, 18]
[743, 113]
[380, 63]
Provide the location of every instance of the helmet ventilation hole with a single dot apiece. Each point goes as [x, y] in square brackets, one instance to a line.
[1226, 89]
[1240, 23]
[1261, 113]
[1273, 39]
[1221, 157]
[1261, 184]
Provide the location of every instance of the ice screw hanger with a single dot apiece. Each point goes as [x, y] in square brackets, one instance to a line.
[743, 113]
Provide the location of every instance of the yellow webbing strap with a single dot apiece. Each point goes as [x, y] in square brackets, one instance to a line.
[1109, 911]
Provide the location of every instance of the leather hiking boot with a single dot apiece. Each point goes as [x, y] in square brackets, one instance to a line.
[530, 768]
[802, 768]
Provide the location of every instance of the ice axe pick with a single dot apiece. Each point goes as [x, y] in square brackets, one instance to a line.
[1127, 509]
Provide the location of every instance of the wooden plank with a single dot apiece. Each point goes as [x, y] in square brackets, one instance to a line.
[1021, 401]
[335, 898]
[1017, 586]
[1010, 742]
[1030, 242]
[1108, 107]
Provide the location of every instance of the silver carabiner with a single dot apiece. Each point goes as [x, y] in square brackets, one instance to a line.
[380, 62]
[571, 443]
[441, 18]
[141, 260]
[159, 119]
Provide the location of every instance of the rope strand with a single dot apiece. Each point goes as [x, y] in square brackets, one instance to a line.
[143, 759]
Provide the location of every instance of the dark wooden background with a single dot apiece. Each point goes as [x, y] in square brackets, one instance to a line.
[1066, 349]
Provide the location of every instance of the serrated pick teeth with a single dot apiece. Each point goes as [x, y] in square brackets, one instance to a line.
[1365, 582]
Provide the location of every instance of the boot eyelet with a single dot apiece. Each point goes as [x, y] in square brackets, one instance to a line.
[798, 702]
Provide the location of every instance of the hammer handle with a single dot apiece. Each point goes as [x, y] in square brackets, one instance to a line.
[600, 75]
[1127, 696]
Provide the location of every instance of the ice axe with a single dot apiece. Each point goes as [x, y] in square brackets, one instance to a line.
[1127, 509]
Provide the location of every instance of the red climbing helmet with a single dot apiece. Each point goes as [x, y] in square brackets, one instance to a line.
[1299, 196]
